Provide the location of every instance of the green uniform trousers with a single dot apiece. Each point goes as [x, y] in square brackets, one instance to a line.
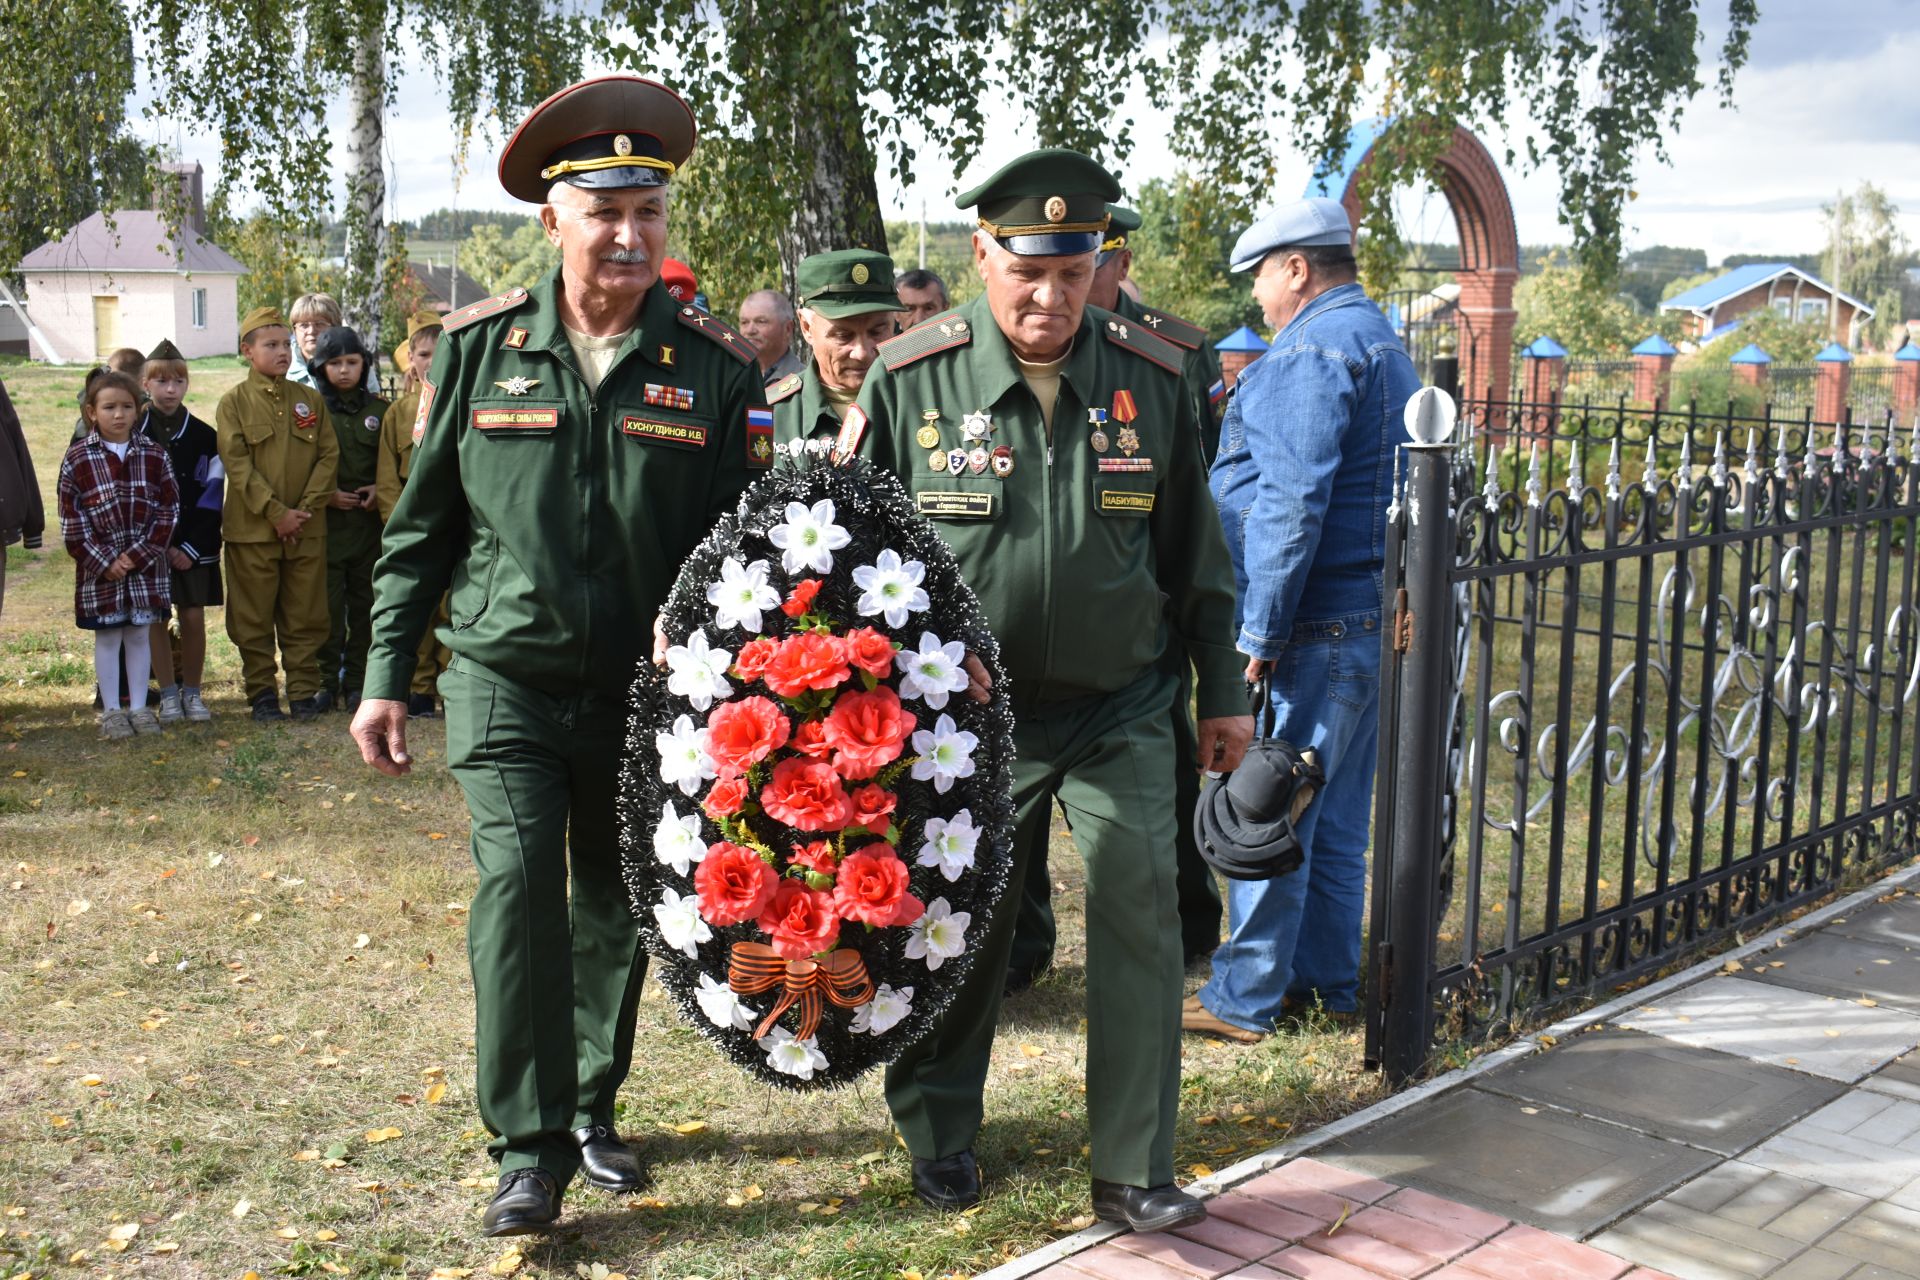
[556, 981]
[1106, 760]
[353, 545]
[277, 592]
[1033, 937]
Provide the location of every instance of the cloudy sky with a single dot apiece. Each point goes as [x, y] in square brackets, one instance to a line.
[1823, 104]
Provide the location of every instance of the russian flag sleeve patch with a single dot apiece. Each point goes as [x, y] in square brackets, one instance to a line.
[760, 437]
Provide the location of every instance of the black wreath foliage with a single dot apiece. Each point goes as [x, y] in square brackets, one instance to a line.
[876, 512]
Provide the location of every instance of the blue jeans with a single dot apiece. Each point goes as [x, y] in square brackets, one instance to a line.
[1296, 939]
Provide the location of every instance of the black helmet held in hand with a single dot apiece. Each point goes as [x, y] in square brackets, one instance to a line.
[1245, 821]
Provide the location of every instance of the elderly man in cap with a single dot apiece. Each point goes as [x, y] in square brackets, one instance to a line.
[574, 441]
[1054, 449]
[847, 309]
[1306, 459]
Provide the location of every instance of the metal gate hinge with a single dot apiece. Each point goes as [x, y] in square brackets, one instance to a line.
[1402, 623]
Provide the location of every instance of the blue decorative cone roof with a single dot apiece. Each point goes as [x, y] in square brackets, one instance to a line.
[1750, 354]
[1655, 345]
[1241, 339]
[1908, 352]
[1545, 348]
[1834, 353]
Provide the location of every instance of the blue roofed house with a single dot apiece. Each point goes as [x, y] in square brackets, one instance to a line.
[1715, 308]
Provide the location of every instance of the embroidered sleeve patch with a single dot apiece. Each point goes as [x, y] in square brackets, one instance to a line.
[760, 437]
[420, 414]
[1217, 392]
[970, 505]
[1124, 501]
[529, 419]
[690, 434]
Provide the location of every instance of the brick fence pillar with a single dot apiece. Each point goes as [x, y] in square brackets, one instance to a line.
[1238, 350]
[1906, 384]
[1544, 362]
[1653, 370]
[1751, 366]
[1833, 384]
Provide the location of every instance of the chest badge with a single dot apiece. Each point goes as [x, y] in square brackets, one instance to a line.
[1003, 461]
[928, 436]
[517, 385]
[937, 460]
[956, 460]
[977, 426]
[1097, 423]
[371, 422]
[978, 460]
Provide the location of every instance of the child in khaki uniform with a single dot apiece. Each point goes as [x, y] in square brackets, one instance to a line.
[396, 459]
[281, 459]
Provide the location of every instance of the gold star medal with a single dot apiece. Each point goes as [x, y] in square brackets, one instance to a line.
[1129, 441]
[928, 436]
[517, 385]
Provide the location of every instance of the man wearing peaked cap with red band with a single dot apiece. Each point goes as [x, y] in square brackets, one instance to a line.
[575, 440]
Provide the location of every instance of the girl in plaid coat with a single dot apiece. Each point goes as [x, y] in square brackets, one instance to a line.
[118, 504]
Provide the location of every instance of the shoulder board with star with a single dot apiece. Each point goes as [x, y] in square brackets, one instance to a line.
[784, 388]
[480, 310]
[717, 331]
[1173, 328]
[941, 333]
[1142, 342]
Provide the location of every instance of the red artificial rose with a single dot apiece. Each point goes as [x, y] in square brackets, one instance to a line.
[872, 888]
[815, 856]
[811, 739]
[743, 733]
[873, 808]
[870, 651]
[801, 921]
[754, 657]
[806, 795]
[807, 661]
[867, 731]
[733, 884]
[802, 598]
[725, 799]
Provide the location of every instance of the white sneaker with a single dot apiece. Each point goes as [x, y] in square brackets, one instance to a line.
[170, 709]
[113, 724]
[195, 708]
[143, 721]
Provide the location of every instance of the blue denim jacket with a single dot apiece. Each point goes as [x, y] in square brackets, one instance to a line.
[1305, 462]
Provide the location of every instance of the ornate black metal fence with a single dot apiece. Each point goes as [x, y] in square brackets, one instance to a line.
[1651, 679]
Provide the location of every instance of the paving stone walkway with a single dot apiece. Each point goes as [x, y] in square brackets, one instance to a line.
[1763, 1122]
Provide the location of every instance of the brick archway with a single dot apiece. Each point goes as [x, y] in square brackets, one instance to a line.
[1489, 248]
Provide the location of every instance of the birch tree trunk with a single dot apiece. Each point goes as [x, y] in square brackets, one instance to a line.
[838, 203]
[366, 204]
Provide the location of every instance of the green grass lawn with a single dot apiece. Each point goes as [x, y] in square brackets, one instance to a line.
[235, 1015]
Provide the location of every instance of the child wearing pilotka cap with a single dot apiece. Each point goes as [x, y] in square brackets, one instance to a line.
[193, 555]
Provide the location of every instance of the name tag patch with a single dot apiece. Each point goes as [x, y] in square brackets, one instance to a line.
[1123, 500]
[938, 502]
[528, 419]
[690, 434]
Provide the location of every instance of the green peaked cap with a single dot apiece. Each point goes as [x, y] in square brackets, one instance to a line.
[1048, 202]
[847, 282]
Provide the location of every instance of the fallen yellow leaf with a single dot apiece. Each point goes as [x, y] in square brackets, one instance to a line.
[507, 1263]
[287, 1233]
[436, 835]
[306, 1155]
[691, 1126]
[92, 1082]
[1033, 1051]
[436, 1091]
[1200, 1171]
[124, 1232]
[326, 1235]
[376, 1136]
[167, 1246]
[79, 907]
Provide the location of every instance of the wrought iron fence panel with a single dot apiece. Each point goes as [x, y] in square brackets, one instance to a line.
[1669, 664]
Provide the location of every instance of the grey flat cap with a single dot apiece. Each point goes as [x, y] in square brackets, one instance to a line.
[1315, 220]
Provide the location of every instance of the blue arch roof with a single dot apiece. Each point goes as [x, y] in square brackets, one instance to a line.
[1360, 139]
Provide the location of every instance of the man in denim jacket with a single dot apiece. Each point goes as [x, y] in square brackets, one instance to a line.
[1301, 480]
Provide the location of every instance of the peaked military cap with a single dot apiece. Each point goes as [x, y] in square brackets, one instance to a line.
[1297, 224]
[1048, 202]
[605, 133]
[847, 282]
[165, 351]
[1121, 222]
[420, 321]
[261, 318]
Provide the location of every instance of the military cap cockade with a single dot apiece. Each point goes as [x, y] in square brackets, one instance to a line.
[604, 133]
[847, 282]
[1121, 222]
[1047, 202]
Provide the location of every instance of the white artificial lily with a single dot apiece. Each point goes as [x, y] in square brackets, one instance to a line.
[722, 1006]
[684, 761]
[680, 924]
[884, 1012]
[809, 537]
[676, 840]
[792, 1057]
[945, 753]
[698, 672]
[891, 588]
[742, 595]
[939, 935]
[950, 844]
[933, 672]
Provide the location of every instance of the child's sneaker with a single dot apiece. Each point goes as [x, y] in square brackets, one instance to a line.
[171, 711]
[143, 720]
[194, 707]
[114, 724]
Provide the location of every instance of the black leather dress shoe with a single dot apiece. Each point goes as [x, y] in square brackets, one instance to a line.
[528, 1200]
[951, 1182]
[266, 707]
[1159, 1208]
[306, 708]
[606, 1162]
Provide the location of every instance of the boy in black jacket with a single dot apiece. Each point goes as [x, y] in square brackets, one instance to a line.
[195, 548]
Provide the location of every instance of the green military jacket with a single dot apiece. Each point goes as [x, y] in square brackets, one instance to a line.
[800, 407]
[1200, 368]
[559, 518]
[1080, 566]
[278, 452]
[356, 424]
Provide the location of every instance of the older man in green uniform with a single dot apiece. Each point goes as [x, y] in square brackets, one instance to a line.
[847, 309]
[574, 442]
[1033, 937]
[1055, 451]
